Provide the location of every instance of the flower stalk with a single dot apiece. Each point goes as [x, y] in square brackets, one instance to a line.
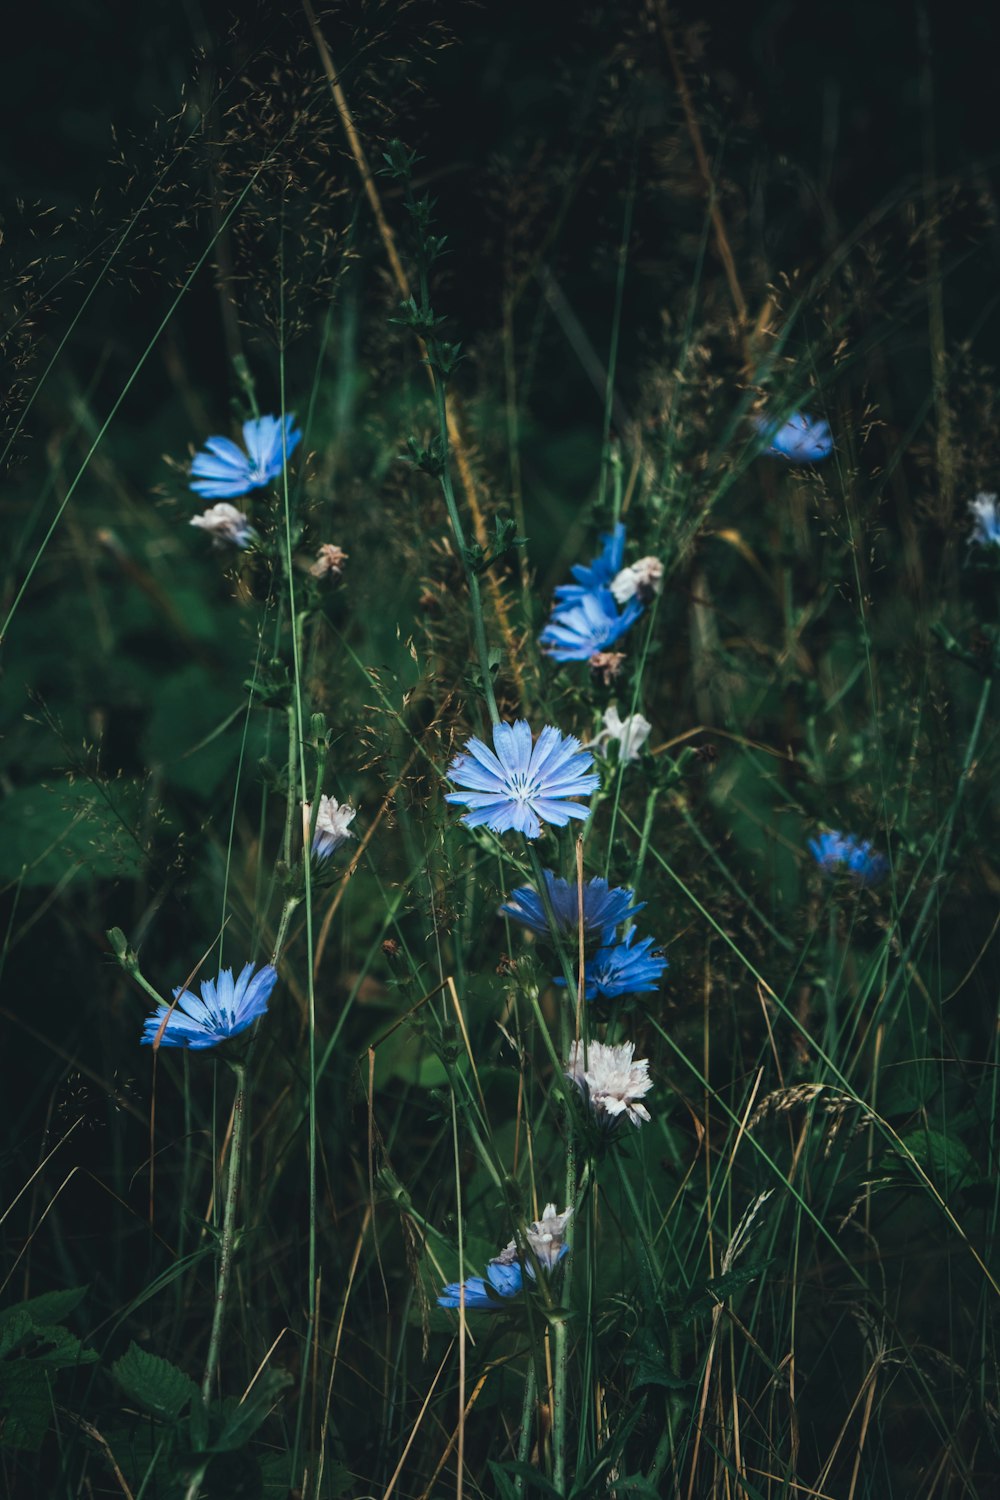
[227, 1241]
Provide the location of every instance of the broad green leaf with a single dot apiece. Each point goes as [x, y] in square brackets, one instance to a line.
[154, 1383]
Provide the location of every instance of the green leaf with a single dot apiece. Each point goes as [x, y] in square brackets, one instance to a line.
[50, 1307]
[25, 1404]
[946, 1159]
[240, 1419]
[534, 1480]
[154, 1383]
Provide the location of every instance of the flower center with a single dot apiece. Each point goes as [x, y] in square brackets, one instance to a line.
[522, 787]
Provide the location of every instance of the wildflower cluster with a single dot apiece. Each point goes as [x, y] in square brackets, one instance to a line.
[617, 967]
[607, 598]
[602, 909]
[505, 1273]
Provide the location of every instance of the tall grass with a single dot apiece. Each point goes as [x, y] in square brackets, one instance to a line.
[222, 1268]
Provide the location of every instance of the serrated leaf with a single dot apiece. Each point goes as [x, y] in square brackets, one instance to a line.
[40, 1343]
[154, 1383]
[25, 1404]
[946, 1159]
[50, 1307]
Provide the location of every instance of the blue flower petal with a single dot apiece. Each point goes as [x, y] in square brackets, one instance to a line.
[604, 907]
[506, 790]
[800, 439]
[600, 572]
[224, 471]
[226, 1008]
[621, 969]
[578, 631]
[842, 853]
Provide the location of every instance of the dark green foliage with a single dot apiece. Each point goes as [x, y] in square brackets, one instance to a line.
[786, 1281]
[34, 1348]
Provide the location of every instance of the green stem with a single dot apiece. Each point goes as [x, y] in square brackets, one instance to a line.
[644, 837]
[228, 1233]
[560, 1416]
[291, 902]
[471, 577]
[903, 967]
[560, 1407]
[447, 488]
[527, 1418]
[832, 976]
[541, 886]
[560, 1412]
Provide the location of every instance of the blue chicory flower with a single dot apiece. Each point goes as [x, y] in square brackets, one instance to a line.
[226, 1008]
[599, 573]
[621, 969]
[576, 632]
[502, 1281]
[604, 907]
[522, 784]
[800, 439]
[841, 853]
[986, 528]
[223, 471]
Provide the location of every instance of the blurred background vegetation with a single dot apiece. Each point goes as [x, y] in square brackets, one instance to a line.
[179, 200]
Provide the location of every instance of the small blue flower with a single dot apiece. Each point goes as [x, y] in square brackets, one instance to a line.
[842, 853]
[622, 970]
[223, 471]
[604, 907]
[986, 530]
[504, 1281]
[576, 632]
[800, 439]
[522, 783]
[600, 572]
[226, 1008]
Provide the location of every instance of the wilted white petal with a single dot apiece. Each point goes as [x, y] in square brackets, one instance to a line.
[332, 821]
[629, 734]
[547, 1236]
[225, 523]
[329, 562]
[642, 580]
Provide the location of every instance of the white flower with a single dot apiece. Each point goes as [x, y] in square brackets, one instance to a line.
[226, 524]
[643, 579]
[331, 825]
[629, 734]
[546, 1236]
[329, 562]
[613, 1081]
